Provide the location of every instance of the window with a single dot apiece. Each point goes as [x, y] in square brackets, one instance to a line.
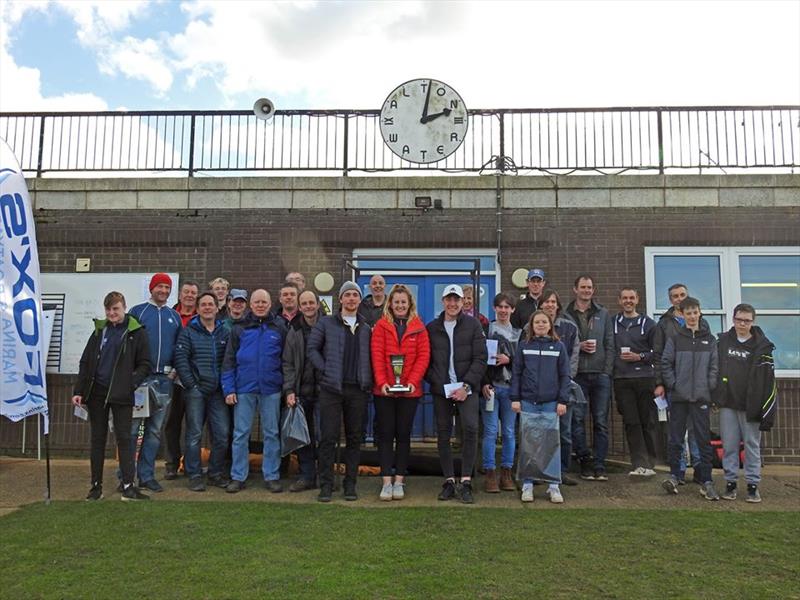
[766, 277]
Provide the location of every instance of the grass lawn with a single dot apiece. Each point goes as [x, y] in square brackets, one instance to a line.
[259, 550]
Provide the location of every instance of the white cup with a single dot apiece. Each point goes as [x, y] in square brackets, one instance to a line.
[591, 346]
[625, 349]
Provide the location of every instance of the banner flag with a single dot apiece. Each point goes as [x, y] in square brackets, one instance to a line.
[23, 355]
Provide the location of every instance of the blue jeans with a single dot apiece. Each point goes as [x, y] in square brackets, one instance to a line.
[508, 418]
[269, 412]
[200, 407]
[597, 390]
[161, 395]
[544, 407]
[691, 453]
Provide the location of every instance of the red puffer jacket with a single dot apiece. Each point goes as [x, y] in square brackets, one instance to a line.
[414, 345]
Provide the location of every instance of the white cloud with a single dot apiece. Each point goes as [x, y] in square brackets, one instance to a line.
[137, 59]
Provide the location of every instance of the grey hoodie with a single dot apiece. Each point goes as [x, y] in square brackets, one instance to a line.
[600, 329]
[689, 365]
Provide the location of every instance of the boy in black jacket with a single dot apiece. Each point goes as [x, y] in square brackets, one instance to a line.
[745, 394]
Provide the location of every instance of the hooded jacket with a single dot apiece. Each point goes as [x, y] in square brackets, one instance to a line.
[199, 354]
[638, 335]
[469, 353]
[540, 372]
[600, 329]
[252, 361]
[747, 377]
[131, 365]
[163, 324]
[415, 347]
[689, 365]
[325, 350]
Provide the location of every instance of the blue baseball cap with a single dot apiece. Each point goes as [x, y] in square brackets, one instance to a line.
[237, 294]
[536, 273]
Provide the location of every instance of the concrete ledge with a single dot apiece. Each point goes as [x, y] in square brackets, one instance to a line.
[370, 199]
[529, 199]
[528, 182]
[59, 185]
[266, 199]
[632, 198]
[424, 183]
[215, 183]
[370, 183]
[744, 181]
[473, 199]
[582, 182]
[592, 198]
[318, 183]
[156, 200]
[785, 196]
[109, 200]
[691, 197]
[214, 199]
[746, 197]
[691, 181]
[121, 184]
[74, 200]
[472, 183]
[163, 183]
[266, 183]
[635, 181]
[317, 199]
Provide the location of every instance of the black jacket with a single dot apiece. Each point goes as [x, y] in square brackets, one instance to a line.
[638, 336]
[199, 355]
[299, 376]
[131, 365]
[369, 311]
[325, 350]
[469, 353]
[689, 365]
[523, 311]
[749, 367]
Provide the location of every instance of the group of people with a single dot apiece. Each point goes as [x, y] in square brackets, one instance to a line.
[221, 356]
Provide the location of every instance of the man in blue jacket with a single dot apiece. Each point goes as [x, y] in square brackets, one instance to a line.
[163, 324]
[198, 359]
[252, 381]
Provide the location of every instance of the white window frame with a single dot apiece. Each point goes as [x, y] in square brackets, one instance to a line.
[730, 282]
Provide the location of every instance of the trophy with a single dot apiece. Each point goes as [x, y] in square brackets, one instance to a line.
[397, 361]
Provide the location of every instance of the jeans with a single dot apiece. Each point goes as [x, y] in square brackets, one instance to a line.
[540, 408]
[468, 410]
[395, 418]
[697, 413]
[734, 429]
[269, 412]
[307, 455]
[98, 421]
[198, 408]
[634, 397]
[690, 453]
[565, 433]
[350, 404]
[161, 395]
[508, 418]
[597, 390]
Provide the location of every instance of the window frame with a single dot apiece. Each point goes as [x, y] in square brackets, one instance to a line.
[730, 280]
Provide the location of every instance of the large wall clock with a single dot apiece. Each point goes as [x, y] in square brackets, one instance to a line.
[423, 121]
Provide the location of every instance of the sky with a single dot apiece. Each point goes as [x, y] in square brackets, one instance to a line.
[170, 55]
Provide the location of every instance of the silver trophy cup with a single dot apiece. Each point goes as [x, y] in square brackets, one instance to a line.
[398, 360]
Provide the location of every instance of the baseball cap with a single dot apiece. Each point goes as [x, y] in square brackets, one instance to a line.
[536, 273]
[237, 294]
[453, 289]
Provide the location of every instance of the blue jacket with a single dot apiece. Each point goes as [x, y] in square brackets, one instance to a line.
[199, 354]
[163, 324]
[540, 372]
[253, 363]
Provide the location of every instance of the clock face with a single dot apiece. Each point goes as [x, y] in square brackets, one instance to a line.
[424, 120]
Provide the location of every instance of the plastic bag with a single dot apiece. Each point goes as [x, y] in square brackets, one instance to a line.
[294, 430]
[539, 447]
[576, 393]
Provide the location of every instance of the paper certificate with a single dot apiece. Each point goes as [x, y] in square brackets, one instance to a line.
[491, 348]
[449, 388]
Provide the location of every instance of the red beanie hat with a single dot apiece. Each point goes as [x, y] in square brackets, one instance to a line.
[160, 278]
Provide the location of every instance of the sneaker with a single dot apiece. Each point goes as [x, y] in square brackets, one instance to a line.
[638, 472]
[350, 493]
[132, 494]
[555, 495]
[170, 473]
[730, 491]
[325, 493]
[301, 485]
[386, 492]
[587, 472]
[681, 481]
[151, 485]
[120, 487]
[274, 485]
[670, 485]
[448, 490]
[568, 480]
[649, 473]
[752, 493]
[196, 484]
[398, 491]
[234, 486]
[96, 493]
[709, 492]
[466, 493]
[219, 481]
[600, 475]
[527, 492]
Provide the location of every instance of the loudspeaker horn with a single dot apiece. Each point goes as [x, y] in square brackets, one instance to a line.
[264, 109]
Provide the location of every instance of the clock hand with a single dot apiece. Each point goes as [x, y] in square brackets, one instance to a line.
[427, 100]
[429, 118]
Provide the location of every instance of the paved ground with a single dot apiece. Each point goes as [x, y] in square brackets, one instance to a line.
[22, 481]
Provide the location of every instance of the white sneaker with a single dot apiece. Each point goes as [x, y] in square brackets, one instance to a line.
[386, 492]
[555, 495]
[639, 472]
[649, 473]
[398, 491]
[527, 492]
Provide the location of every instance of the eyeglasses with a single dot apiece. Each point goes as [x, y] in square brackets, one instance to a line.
[743, 321]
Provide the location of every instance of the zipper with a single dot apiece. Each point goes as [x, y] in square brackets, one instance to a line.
[116, 362]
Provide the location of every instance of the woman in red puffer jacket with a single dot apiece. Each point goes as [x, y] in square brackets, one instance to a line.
[398, 332]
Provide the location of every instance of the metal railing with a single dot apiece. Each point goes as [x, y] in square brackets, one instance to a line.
[655, 139]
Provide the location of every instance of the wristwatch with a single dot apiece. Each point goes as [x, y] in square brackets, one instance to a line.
[468, 389]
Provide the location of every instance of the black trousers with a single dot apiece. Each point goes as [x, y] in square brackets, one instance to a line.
[444, 408]
[634, 398]
[395, 418]
[173, 427]
[98, 423]
[350, 404]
